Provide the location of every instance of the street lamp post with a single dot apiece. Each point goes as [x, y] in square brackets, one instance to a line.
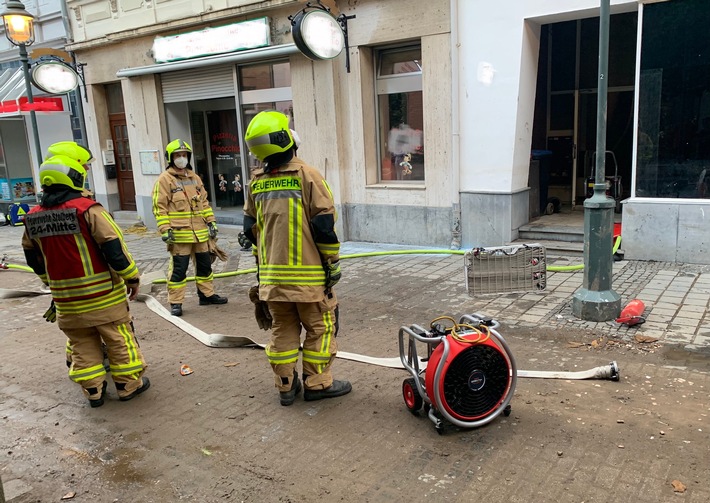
[20, 31]
[596, 301]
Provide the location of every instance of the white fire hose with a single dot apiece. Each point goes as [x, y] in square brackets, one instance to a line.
[610, 371]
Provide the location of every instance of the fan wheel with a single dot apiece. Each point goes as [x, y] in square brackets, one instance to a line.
[476, 382]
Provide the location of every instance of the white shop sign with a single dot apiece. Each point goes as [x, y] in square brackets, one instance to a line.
[222, 39]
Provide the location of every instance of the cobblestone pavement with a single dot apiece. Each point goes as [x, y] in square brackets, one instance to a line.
[677, 296]
[220, 434]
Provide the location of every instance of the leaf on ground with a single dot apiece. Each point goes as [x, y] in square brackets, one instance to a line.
[595, 343]
[643, 339]
[231, 364]
[678, 486]
[574, 344]
[69, 496]
[206, 452]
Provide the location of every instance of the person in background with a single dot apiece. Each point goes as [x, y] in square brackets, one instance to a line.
[186, 222]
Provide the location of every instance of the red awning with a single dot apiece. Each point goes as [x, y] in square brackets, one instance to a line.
[13, 98]
[40, 104]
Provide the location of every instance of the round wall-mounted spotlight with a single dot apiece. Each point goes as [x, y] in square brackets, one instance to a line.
[317, 34]
[54, 77]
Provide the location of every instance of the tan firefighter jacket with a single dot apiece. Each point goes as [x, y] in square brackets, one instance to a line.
[78, 250]
[180, 203]
[295, 231]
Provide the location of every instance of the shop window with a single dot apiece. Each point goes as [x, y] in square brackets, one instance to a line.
[673, 146]
[114, 99]
[400, 114]
[264, 76]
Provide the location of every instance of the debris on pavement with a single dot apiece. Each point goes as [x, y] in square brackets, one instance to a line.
[69, 496]
[185, 370]
[644, 339]
[678, 486]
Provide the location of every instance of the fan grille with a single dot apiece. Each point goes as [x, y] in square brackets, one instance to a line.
[476, 381]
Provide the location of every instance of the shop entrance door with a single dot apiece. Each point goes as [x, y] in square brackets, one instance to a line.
[124, 168]
[217, 153]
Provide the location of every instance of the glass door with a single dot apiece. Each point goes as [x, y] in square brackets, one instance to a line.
[216, 151]
[225, 159]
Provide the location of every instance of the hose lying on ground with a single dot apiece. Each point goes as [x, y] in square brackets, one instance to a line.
[234, 341]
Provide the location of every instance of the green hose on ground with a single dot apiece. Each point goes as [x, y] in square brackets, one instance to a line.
[552, 268]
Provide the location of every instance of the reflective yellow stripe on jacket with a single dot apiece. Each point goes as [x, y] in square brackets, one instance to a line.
[113, 298]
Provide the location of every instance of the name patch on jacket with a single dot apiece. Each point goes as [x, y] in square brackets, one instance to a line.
[52, 223]
[278, 183]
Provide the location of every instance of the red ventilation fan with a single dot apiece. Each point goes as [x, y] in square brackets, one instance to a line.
[470, 374]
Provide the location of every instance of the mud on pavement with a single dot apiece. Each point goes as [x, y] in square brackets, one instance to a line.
[220, 434]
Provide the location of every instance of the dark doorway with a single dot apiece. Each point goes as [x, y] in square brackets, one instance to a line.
[566, 100]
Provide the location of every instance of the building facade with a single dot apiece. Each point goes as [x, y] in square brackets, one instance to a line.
[426, 124]
[58, 117]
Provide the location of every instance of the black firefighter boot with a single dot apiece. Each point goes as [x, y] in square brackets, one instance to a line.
[338, 388]
[214, 299]
[176, 309]
[288, 397]
[97, 402]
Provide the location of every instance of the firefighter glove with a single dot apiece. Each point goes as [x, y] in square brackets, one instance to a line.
[212, 226]
[332, 274]
[168, 236]
[261, 309]
[244, 241]
[51, 314]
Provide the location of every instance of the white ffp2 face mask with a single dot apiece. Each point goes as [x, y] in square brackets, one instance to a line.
[180, 162]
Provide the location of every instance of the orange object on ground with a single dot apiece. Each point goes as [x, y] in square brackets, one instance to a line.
[631, 314]
[185, 370]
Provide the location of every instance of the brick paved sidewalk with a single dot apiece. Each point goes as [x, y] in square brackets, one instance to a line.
[677, 296]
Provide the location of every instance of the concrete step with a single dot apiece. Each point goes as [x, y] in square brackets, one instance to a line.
[127, 219]
[538, 232]
[556, 248]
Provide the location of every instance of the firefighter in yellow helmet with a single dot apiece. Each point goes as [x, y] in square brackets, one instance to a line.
[289, 216]
[76, 152]
[74, 246]
[186, 222]
[84, 157]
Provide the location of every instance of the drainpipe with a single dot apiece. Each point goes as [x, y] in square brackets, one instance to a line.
[455, 133]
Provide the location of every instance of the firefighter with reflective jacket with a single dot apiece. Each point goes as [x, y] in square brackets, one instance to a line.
[290, 217]
[84, 157]
[75, 247]
[186, 223]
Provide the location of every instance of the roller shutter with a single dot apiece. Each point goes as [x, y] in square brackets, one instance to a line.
[198, 84]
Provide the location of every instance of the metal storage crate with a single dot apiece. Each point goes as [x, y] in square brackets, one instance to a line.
[505, 269]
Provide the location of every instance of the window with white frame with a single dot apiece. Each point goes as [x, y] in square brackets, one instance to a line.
[400, 114]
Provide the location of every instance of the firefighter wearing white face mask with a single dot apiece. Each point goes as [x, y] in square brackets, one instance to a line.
[186, 222]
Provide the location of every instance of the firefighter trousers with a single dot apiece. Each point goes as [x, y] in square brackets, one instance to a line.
[320, 321]
[125, 357]
[177, 271]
